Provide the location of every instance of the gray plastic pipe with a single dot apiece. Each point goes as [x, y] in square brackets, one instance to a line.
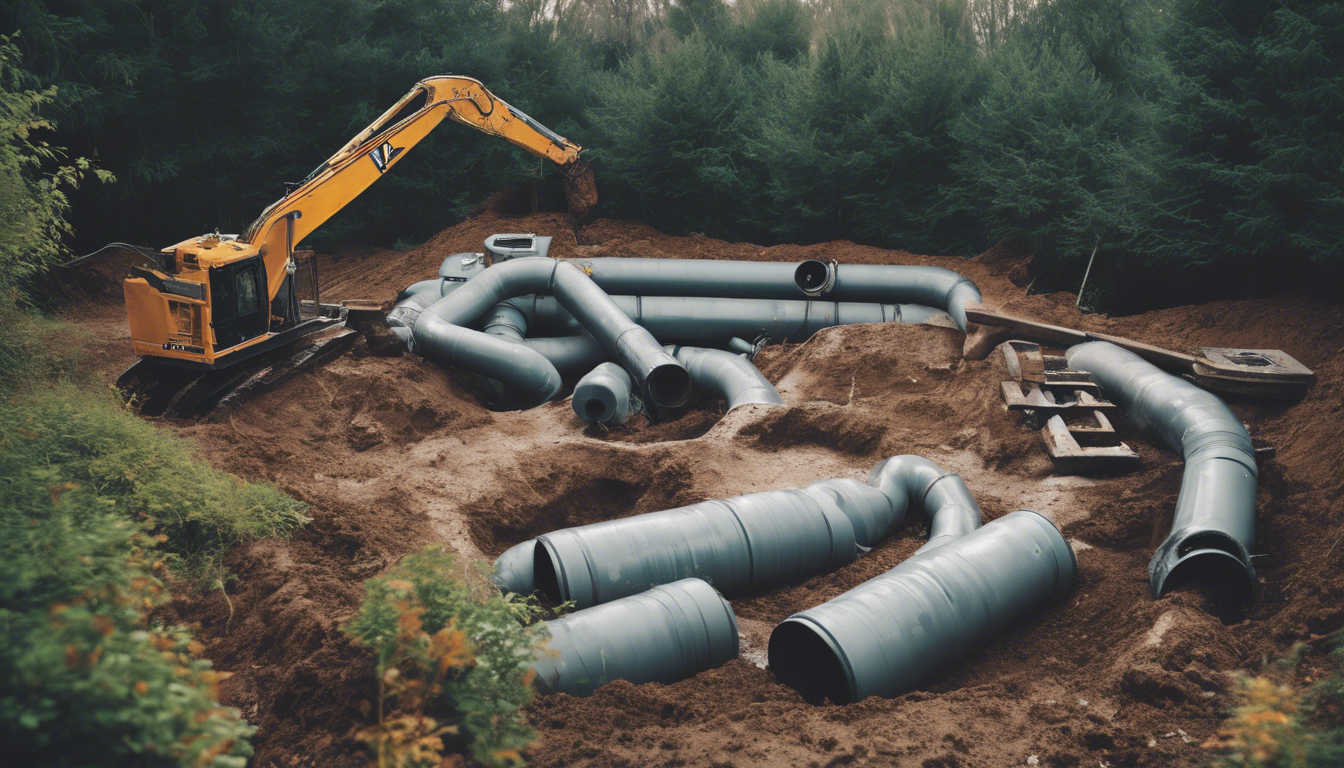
[726, 376]
[1213, 529]
[740, 545]
[603, 395]
[930, 286]
[701, 321]
[891, 633]
[666, 634]
[439, 329]
[529, 379]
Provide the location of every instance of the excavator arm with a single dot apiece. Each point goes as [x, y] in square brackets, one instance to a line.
[372, 152]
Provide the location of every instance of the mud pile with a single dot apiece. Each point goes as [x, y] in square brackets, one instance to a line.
[393, 454]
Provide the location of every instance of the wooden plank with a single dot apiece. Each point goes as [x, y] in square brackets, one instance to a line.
[1070, 458]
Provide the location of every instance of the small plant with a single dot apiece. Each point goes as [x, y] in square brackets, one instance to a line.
[441, 635]
[1266, 729]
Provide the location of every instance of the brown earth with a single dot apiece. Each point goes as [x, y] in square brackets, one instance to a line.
[392, 454]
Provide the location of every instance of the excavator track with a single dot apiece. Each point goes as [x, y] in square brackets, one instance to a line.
[156, 388]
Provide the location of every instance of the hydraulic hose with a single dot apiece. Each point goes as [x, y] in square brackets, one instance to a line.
[893, 632]
[740, 545]
[603, 395]
[1213, 528]
[666, 634]
[726, 376]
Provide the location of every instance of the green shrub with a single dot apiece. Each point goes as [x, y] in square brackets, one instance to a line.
[442, 632]
[146, 474]
[85, 679]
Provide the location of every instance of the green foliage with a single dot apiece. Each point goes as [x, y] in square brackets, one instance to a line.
[1194, 144]
[438, 631]
[666, 130]
[85, 679]
[142, 473]
[1277, 724]
[33, 186]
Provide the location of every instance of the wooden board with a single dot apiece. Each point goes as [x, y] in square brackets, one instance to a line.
[1070, 458]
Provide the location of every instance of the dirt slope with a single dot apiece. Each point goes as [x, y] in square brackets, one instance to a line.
[392, 453]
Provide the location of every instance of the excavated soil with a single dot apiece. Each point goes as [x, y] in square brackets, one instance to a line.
[393, 453]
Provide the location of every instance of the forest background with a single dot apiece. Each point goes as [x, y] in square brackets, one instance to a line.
[1191, 148]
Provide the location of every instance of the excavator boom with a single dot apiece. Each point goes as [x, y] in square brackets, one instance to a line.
[208, 303]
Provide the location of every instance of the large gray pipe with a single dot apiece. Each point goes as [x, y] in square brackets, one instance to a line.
[891, 633]
[529, 379]
[726, 376]
[1213, 529]
[603, 395]
[884, 284]
[439, 331]
[666, 634]
[739, 545]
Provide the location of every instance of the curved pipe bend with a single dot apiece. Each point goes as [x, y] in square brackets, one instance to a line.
[944, 497]
[726, 376]
[743, 544]
[1213, 528]
[439, 330]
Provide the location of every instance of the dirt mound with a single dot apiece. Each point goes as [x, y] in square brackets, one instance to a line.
[393, 453]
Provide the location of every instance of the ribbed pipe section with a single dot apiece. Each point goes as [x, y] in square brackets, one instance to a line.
[740, 545]
[1213, 528]
[891, 633]
[666, 634]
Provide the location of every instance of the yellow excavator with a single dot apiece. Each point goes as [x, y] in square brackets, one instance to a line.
[201, 308]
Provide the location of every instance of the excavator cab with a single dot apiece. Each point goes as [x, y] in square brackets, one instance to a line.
[206, 304]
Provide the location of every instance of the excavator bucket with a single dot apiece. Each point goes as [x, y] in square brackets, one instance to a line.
[580, 190]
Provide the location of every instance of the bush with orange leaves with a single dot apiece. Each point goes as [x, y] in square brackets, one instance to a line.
[452, 660]
[1279, 725]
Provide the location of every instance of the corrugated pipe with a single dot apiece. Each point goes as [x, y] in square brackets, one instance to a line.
[666, 634]
[1213, 529]
[603, 395]
[740, 545]
[726, 376]
[439, 329]
[891, 633]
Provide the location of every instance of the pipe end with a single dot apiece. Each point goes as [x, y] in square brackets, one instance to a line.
[668, 386]
[515, 567]
[805, 657]
[1211, 561]
[814, 277]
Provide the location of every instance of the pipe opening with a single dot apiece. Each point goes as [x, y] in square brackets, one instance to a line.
[802, 659]
[594, 410]
[669, 386]
[545, 578]
[811, 275]
[1219, 576]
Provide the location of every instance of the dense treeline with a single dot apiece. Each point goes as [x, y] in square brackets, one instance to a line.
[1194, 146]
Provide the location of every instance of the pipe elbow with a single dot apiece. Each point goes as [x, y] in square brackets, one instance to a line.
[948, 503]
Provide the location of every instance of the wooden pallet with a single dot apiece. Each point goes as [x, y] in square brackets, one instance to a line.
[1105, 453]
[1078, 435]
